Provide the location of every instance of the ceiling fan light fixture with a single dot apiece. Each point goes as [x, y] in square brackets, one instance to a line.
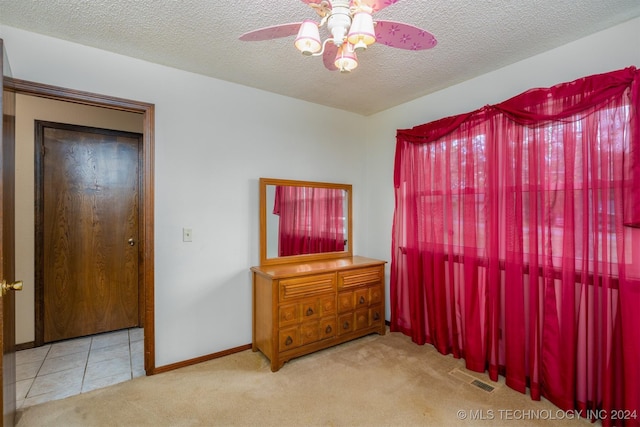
[308, 39]
[346, 59]
[362, 34]
[351, 29]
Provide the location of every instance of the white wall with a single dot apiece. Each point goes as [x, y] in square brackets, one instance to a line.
[612, 49]
[213, 140]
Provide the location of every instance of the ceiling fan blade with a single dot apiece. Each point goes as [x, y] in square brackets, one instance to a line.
[274, 32]
[403, 36]
[329, 56]
[377, 5]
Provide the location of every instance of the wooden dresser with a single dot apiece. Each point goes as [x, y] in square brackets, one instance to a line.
[302, 307]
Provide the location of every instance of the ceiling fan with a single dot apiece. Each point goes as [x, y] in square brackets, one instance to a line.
[351, 29]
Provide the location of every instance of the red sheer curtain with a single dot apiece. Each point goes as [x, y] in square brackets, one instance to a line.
[509, 244]
[311, 220]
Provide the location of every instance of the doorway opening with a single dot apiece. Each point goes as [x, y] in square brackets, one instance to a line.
[146, 240]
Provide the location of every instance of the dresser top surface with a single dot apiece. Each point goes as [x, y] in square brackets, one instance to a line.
[300, 268]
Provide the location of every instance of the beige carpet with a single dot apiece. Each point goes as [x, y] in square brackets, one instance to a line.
[374, 381]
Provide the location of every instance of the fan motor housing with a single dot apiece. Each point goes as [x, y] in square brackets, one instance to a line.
[339, 21]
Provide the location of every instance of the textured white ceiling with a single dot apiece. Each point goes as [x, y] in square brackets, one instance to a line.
[474, 37]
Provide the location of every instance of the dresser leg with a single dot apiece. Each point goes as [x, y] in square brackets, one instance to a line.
[276, 365]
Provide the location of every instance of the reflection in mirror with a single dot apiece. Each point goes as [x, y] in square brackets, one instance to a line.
[304, 219]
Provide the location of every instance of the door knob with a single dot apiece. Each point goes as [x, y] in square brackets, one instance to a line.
[14, 286]
[131, 242]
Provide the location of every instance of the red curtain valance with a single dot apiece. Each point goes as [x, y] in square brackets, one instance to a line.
[532, 108]
[584, 94]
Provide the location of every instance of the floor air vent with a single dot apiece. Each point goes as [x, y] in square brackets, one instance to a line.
[470, 379]
[483, 386]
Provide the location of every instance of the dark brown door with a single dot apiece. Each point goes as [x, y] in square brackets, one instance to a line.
[89, 183]
[7, 246]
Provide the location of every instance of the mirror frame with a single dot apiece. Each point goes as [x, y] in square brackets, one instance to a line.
[264, 182]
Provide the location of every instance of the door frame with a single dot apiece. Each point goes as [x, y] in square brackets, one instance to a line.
[146, 225]
[7, 245]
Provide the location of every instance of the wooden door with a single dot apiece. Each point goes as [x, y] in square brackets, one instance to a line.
[89, 183]
[7, 246]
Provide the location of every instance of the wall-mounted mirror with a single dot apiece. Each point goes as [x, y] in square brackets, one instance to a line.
[304, 220]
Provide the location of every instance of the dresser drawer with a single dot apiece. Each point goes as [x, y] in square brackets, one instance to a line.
[345, 301]
[345, 323]
[376, 315]
[289, 314]
[360, 319]
[327, 305]
[315, 331]
[305, 286]
[360, 277]
[328, 327]
[306, 309]
[376, 294]
[307, 332]
[289, 338]
[359, 298]
[369, 317]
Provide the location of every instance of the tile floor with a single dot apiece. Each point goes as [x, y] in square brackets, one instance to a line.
[66, 368]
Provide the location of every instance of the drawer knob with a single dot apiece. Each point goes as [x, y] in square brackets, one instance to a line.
[328, 330]
[309, 311]
[346, 325]
[288, 341]
[376, 316]
[361, 300]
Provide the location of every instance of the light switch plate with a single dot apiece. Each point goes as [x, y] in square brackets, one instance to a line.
[187, 235]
